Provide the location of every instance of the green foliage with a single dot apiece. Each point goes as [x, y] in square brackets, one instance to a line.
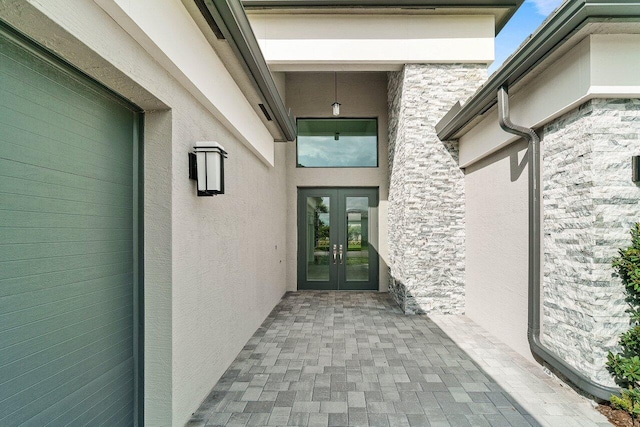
[627, 264]
[626, 369]
[629, 401]
[625, 365]
[630, 341]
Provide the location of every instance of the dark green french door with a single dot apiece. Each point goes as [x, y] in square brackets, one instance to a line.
[337, 238]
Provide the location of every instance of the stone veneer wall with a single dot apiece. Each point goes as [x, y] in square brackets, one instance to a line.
[589, 205]
[426, 189]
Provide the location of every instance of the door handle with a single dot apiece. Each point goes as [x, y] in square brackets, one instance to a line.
[341, 256]
[335, 253]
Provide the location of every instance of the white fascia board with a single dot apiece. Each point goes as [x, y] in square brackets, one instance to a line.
[312, 41]
[600, 66]
[167, 32]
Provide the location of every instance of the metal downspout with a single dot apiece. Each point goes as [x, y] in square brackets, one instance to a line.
[535, 226]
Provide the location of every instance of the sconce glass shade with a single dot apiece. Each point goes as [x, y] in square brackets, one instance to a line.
[206, 166]
[336, 108]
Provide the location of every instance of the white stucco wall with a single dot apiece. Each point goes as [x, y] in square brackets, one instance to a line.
[228, 259]
[497, 245]
[214, 267]
[362, 95]
[296, 42]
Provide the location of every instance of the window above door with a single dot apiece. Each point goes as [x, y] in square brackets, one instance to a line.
[337, 143]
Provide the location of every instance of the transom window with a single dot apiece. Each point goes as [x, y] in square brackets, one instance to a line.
[337, 143]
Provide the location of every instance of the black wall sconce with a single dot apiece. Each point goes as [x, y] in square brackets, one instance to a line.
[206, 166]
[635, 168]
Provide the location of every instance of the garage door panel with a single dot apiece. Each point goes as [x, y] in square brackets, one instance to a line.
[30, 306]
[19, 219]
[58, 279]
[11, 269]
[19, 374]
[112, 415]
[33, 251]
[54, 295]
[75, 321]
[73, 120]
[47, 393]
[29, 203]
[58, 134]
[37, 320]
[64, 182]
[52, 235]
[66, 244]
[67, 338]
[118, 397]
[82, 166]
[85, 399]
[48, 190]
[47, 86]
[86, 116]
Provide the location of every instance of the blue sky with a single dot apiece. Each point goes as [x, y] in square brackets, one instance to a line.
[524, 22]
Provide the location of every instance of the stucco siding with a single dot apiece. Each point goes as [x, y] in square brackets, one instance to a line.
[497, 245]
[228, 259]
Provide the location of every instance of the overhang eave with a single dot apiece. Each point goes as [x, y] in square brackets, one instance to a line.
[553, 33]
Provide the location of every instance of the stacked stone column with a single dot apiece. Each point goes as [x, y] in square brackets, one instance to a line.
[589, 204]
[426, 189]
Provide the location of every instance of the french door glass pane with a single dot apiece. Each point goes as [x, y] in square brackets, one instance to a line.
[318, 228]
[357, 259]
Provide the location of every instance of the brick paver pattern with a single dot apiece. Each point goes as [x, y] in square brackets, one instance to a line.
[354, 359]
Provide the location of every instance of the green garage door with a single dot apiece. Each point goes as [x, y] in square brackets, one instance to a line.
[66, 245]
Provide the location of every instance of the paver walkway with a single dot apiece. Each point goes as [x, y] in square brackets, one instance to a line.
[338, 359]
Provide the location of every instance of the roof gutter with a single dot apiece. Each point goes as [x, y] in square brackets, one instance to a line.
[512, 5]
[569, 18]
[228, 20]
[535, 287]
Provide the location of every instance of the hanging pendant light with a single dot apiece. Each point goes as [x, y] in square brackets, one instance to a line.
[336, 104]
[336, 108]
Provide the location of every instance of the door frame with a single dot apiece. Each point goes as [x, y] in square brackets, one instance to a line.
[336, 208]
[25, 42]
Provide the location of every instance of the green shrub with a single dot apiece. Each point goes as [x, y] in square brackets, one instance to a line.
[629, 401]
[625, 365]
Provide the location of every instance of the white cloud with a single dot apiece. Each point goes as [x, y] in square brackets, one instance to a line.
[545, 7]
